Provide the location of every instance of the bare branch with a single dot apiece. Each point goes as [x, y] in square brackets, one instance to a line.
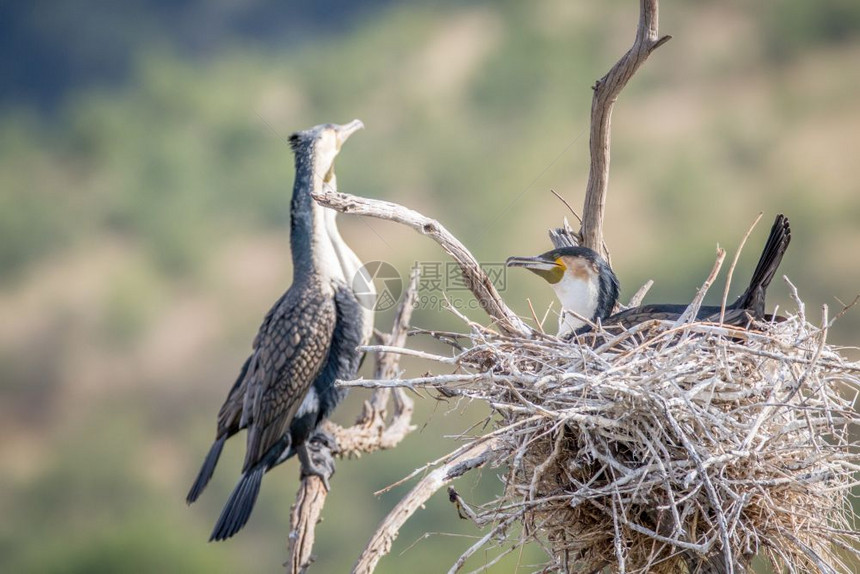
[606, 91]
[304, 517]
[475, 278]
[379, 545]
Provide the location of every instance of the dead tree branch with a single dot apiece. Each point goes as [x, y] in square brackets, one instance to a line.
[606, 91]
[304, 516]
[479, 453]
[475, 278]
[370, 433]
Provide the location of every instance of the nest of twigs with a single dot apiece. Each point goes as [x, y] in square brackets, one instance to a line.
[669, 448]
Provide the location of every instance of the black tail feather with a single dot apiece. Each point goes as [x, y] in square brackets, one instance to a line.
[206, 470]
[563, 237]
[238, 509]
[771, 257]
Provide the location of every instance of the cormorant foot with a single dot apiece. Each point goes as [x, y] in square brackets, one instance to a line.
[316, 460]
[325, 440]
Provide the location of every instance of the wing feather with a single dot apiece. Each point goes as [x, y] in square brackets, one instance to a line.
[291, 348]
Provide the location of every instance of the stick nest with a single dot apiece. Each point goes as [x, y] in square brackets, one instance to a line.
[672, 448]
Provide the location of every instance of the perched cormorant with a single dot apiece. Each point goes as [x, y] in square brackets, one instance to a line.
[306, 341]
[586, 285]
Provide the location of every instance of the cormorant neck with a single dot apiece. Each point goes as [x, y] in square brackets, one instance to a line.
[312, 250]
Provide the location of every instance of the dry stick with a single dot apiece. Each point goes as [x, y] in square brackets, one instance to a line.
[606, 91]
[475, 278]
[564, 201]
[458, 452]
[801, 306]
[461, 561]
[405, 351]
[379, 545]
[368, 434]
[534, 316]
[636, 300]
[692, 310]
[732, 267]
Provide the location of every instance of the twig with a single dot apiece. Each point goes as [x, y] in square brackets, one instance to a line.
[370, 432]
[732, 267]
[692, 310]
[606, 91]
[534, 316]
[845, 308]
[501, 527]
[564, 201]
[636, 300]
[475, 278]
[801, 306]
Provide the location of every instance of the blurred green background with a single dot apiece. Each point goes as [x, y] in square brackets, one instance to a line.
[144, 185]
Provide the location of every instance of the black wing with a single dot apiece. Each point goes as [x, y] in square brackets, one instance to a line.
[344, 356]
[290, 350]
[341, 364]
[753, 299]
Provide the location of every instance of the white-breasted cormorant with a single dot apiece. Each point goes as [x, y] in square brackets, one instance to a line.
[582, 280]
[586, 285]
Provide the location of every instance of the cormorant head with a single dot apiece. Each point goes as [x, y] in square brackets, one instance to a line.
[583, 282]
[321, 144]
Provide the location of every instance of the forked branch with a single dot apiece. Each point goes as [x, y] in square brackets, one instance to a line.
[606, 91]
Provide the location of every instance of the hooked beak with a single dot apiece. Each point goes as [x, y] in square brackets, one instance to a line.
[346, 130]
[548, 270]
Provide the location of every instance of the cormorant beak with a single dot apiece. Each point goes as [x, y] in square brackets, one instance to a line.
[551, 271]
[344, 131]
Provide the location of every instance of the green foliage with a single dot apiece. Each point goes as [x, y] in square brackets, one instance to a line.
[794, 26]
[38, 208]
[144, 547]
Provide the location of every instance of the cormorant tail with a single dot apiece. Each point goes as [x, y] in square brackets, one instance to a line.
[206, 470]
[238, 509]
[771, 257]
[563, 236]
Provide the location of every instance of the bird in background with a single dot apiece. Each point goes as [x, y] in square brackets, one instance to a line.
[579, 277]
[307, 340]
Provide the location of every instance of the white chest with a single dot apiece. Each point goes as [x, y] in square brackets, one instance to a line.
[576, 296]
